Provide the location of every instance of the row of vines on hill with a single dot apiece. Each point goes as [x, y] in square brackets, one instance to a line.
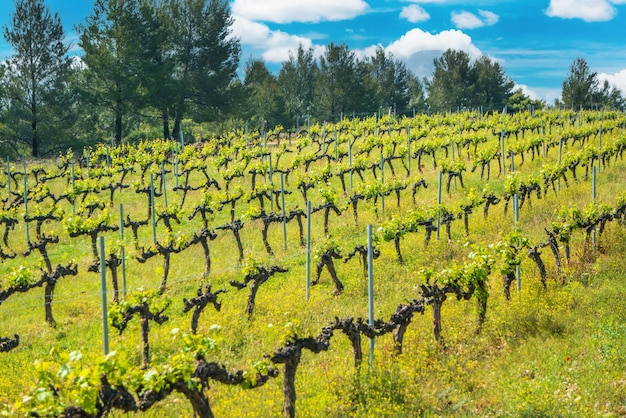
[230, 182]
[70, 387]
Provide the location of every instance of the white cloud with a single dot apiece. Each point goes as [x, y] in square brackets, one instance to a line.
[287, 11]
[274, 45]
[468, 20]
[414, 13]
[416, 40]
[618, 79]
[548, 94]
[490, 18]
[527, 91]
[587, 10]
[418, 48]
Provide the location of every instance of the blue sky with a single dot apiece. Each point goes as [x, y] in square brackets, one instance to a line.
[535, 40]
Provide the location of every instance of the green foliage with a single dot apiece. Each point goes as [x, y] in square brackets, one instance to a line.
[19, 276]
[250, 266]
[172, 211]
[329, 193]
[70, 379]
[327, 246]
[78, 225]
[459, 83]
[448, 166]
[10, 214]
[471, 201]
[509, 250]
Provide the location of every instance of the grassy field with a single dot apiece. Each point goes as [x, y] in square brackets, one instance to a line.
[552, 352]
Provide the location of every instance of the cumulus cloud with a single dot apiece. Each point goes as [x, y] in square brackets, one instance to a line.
[414, 13]
[419, 48]
[528, 91]
[587, 10]
[288, 11]
[468, 20]
[416, 40]
[274, 45]
[618, 79]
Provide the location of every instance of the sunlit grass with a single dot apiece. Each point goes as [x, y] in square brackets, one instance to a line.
[554, 352]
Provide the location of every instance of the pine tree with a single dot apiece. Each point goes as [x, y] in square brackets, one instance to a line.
[36, 70]
[111, 79]
[580, 86]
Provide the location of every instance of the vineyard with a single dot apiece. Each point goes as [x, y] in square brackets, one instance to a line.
[458, 264]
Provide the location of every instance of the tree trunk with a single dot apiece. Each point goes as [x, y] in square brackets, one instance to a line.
[94, 246]
[178, 119]
[207, 256]
[166, 271]
[268, 248]
[396, 241]
[509, 278]
[35, 144]
[239, 244]
[355, 340]
[48, 295]
[330, 265]
[113, 267]
[145, 349]
[46, 258]
[535, 255]
[437, 321]
[326, 216]
[301, 230]
[554, 247]
[166, 124]
[343, 182]
[289, 385]
[254, 288]
[198, 400]
[195, 318]
[482, 313]
[118, 124]
[34, 116]
[398, 338]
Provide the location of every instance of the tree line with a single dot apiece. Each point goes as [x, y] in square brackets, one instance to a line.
[147, 66]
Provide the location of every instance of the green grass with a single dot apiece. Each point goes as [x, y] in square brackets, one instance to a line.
[556, 353]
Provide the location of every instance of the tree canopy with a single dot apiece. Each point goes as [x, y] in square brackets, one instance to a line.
[147, 65]
[35, 75]
[582, 89]
[459, 83]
